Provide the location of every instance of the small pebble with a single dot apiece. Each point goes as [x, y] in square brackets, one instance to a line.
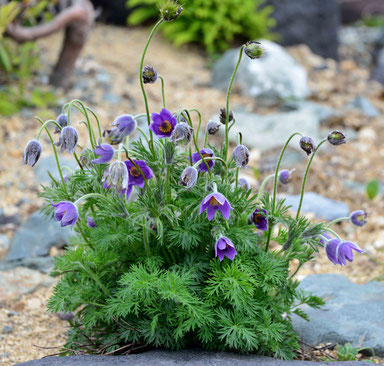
[7, 329]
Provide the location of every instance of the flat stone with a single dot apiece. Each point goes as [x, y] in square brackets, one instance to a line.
[364, 105]
[42, 264]
[322, 207]
[354, 313]
[20, 281]
[268, 132]
[7, 329]
[48, 164]
[273, 77]
[185, 357]
[36, 236]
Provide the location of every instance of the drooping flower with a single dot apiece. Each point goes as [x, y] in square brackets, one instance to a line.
[125, 124]
[32, 153]
[223, 116]
[213, 127]
[116, 176]
[188, 177]
[206, 153]
[113, 136]
[307, 144]
[105, 152]
[259, 218]
[340, 252]
[91, 222]
[225, 248]
[66, 212]
[253, 49]
[243, 183]
[285, 176]
[241, 156]
[213, 202]
[182, 134]
[149, 75]
[163, 123]
[62, 120]
[68, 139]
[358, 218]
[336, 138]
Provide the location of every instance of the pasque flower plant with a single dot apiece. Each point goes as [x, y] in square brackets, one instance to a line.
[195, 256]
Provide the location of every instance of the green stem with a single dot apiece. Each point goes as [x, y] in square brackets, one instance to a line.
[340, 219]
[44, 124]
[306, 175]
[78, 161]
[88, 195]
[97, 120]
[56, 155]
[268, 237]
[297, 270]
[227, 104]
[141, 77]
[143, 133]
[168, 185]
[278, 168]
[146, 244]
[84, 237]
[94, 276]
[237, 177]
[162, 90]
[264, 182]
[334, 233]
[199, 126]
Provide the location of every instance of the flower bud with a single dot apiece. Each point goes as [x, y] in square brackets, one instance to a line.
[213, 127]
[336, 138]
[170, 11]
[285, 176]
[358, 218]
[223, 116]
[125, 124]
[241, 156]
[188, 177]
[253, 49]
[307, 144]
[149, 75]
[32, 153]
[116, 176]
[62, 120]
[244, 184]
[68, 139]
[182, 134]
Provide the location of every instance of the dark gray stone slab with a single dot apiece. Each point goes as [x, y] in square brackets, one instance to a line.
[353, 313]
[186, 357]
[322, 207]
[36, 236]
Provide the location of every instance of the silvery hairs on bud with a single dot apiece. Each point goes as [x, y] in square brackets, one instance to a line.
[182, 134]
[241, 156]
[68, 139]
[188, 177]
[213, 127]
[32, 153]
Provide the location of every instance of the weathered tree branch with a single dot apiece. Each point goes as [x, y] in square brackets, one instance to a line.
[77, 19]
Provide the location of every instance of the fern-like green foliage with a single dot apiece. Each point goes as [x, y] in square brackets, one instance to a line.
[213, 23]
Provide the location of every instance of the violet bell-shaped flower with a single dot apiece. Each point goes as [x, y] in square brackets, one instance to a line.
[32, 153]
[225, 248]
[241, 156]
[105, 152]
[285, 176]
[338, 252]
[188, 177]
[244, 184]
[125, 124]
[116, 176]
[259, 218]
[182, 134]
[163, 124]
[213, 202]
[66, 212]
[62, 120]
[206, 153]
[136, 176]
[358, 218]
[68, 139]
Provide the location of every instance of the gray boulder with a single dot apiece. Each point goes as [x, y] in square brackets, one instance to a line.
[192, 357]
[273, 77]
[353, 313]
[364, 105]
[36, 236]
[48, 164]
[322, 207]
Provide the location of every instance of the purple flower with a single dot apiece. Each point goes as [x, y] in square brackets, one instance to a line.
[135, 177]
[285, 176]
[337, 138]
[117, 176]
[307, 144]
[62, 120]
[206, 153]
[241, 156]
[258, 217]
[188, 177]
[105, 152]
[163, 123]
[90, 222]
[32, 153]
[125, 124]
[243, 183]
[149, 75]
[225, 248]
[66, 212]
[182, 134]
[212, 203]
[68, 139]
[358, 218]
[338, 252]
[324, 241]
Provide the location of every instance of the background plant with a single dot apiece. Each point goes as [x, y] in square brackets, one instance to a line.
[213, 23]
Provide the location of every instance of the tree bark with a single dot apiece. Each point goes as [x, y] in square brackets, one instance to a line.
[77, 20]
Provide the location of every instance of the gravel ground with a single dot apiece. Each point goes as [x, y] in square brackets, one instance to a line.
[115, 50]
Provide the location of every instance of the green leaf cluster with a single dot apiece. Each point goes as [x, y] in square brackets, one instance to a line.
[213, 23]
